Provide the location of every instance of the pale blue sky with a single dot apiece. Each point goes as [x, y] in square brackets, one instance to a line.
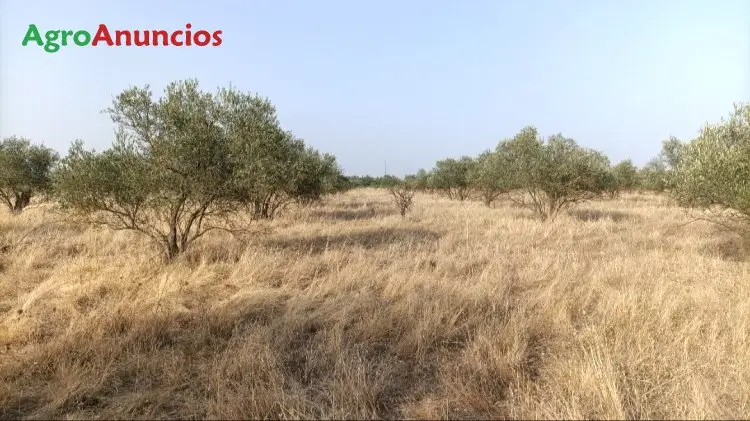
[407, 82]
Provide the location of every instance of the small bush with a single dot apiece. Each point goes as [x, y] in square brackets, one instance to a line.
[403, 196]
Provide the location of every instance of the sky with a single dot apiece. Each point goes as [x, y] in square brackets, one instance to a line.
[396, 85]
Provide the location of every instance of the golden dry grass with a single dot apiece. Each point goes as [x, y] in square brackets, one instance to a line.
[347, 311]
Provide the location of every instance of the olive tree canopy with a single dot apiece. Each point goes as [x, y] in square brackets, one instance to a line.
[25, 170]
[713, 174]
[552, 174]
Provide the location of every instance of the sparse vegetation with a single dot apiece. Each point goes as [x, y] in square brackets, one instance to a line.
[607, 309]
[460, 311]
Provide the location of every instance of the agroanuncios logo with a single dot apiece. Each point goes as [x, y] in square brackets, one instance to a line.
[55, 39]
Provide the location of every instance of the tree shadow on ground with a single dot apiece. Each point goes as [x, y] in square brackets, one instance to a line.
[732, 249]
[590, 215]
[369, 239]
[360, 205]
[528, 215]
[349, 214]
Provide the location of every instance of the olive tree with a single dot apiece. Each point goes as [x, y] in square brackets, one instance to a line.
[653, 176]
[277, 167]
[181, 165]
[671, 155]
[451, 176]
[25, 170]
[622, 177]
[489, 177]
[554, 174]
[421, 180]
[314, 175]
[713, 174]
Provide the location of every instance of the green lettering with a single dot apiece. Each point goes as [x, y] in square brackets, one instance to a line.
[82, 38]
[32, 34]
[51, 46]
[65, 35]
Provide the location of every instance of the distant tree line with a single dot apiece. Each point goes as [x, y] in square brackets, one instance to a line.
[709, 174]
[384, 181]
[529, 162]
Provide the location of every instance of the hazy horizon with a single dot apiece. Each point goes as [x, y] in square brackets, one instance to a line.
[404, 83]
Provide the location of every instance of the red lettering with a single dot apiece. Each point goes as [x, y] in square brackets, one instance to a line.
[164, 36]
[217, 39]
[200, 38]
[202, 34]
[102, 34]
[175, 42]
[119, 35]
[141, 42]
[188, 35]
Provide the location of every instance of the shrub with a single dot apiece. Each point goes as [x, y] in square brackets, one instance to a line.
[403, 196]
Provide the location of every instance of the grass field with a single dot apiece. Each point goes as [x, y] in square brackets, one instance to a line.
[618, 309]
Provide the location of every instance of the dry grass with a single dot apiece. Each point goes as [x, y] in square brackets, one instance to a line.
[350, 311]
